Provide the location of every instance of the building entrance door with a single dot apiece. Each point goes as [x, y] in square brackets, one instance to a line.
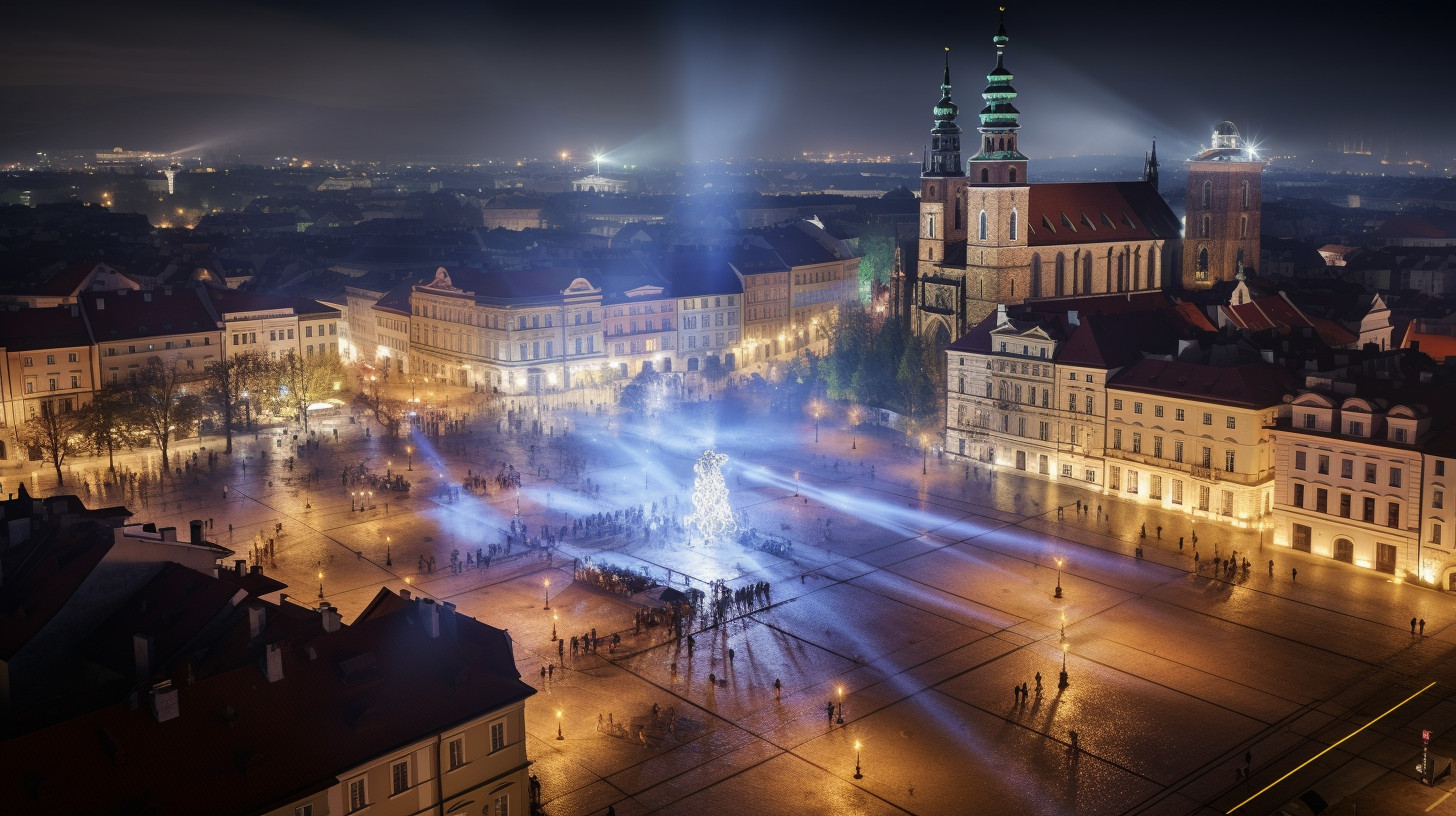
[1301, 538]
[1345, 550]
[1385, 557]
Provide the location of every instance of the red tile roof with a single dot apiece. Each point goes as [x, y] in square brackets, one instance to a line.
[1097, 212]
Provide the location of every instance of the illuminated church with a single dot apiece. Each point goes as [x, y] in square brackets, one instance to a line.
[988, 236]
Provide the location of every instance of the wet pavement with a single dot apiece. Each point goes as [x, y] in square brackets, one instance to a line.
[925, 597]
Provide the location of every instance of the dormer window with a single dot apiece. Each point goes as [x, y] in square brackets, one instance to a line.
[1400, 435]
[1357, 428]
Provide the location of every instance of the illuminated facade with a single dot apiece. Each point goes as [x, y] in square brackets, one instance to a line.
[1221, 234]
[987, 236]
[639, 329]
[1350, 477]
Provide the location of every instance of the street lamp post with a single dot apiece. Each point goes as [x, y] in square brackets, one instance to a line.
[353, 500]
[924, 454]
[857, 774]
[1062, 681]
[558, 726]
[1058, 593]
[546, 588]
[553, 627]
[247, 412]
[840, 719]
[321, 584]
[409, 453]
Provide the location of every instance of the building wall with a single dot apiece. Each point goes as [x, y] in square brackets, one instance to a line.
[1232, 222]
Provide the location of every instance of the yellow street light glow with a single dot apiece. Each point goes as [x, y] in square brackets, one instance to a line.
[1328, 749]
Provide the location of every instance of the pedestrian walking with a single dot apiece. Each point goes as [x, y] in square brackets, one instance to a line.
[1180, 543]
[1025, 694]
[1038, 682]
[1015, 694]
[1271, 568]
[1294, 574]
[1423, 627]
[1413, 626]
[829, 711]
[778, 689]
[1160, 532]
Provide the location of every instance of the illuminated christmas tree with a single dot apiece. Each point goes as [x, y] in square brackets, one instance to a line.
[712, 515]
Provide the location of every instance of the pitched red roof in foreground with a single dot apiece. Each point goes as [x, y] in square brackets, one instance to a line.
[1251, 385]
[241, 744]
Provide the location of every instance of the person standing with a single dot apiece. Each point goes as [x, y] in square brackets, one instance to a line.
[1413, 626]
[1294, 574]
[1423, 627]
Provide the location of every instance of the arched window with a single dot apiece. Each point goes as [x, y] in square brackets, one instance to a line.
[983, 225]
[960, 206]
[1245, 191]
[1203, 226]
[985, 175]
[1013, 224]
[1240, 258]
[1207, 194]
[1121, 273]
[1202, 263]
[1013, 175]
[1243, 226]
[1036, 275]
[932, 191]
[1087, 273]
[1061, 283]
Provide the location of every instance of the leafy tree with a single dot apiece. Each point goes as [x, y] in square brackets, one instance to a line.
[308, 378]
[162, 405]
[227, 380]
[57, 433]
[390, 413]
[637, 394]
[109, 421]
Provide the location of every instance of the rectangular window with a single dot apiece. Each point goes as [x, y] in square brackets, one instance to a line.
[1158, 411]
[1091, 475]
[1137, 443]
[1230, 423]
[1178, 414]
[303, 810]
[399, 776]
[357, 800]
[50, 359]
[1400, 434]
[1300, 462]
[1207, 460]
[1392, 514]
[1321, 500]
[1117, 439]
[1395, 477]
[1298, 495]
[1114, 478]
[1436, 534]
[1347, 469]
[1226, 502]
[1438, 499]
[1370, 472]
[1323, 466]
[1089, 404]
[1177, 491]
[1158, 447]
[1309, 420]
[457, 752]
[497, 736]
[1132, 481]
[1177, 451]
[1117, 405]
[1357, 428]
[1440, 467]
[308, 331]
[1155, 486]
[1344, 505]
[1137, 407]
[1367, 511]
[71, 357]
[502, 805]
[1228, 461]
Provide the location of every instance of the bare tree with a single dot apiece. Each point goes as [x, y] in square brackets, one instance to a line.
[56, 433]
[164, 407]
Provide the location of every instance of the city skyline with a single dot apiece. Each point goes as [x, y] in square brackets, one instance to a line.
[657, 83]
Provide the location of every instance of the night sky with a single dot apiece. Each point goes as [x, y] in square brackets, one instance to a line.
[652, 83]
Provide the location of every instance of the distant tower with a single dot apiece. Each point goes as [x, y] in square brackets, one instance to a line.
[1150, 166]
[171, 174]
[1221, 226]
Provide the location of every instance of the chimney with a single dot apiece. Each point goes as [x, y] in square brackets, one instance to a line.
[256, 569]
[331, 618]
[1074, 318]
[164, 702]
[141, 650]
[197, 532]
[447, 618]
[240, 566]
[257, 620]
[273, 662]
[430, 616]
[168, 533]
[405, 594]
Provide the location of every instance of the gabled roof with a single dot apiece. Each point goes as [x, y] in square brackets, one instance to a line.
[1097, 212]
[1251, 385]
[50, 328]
[127, 315]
